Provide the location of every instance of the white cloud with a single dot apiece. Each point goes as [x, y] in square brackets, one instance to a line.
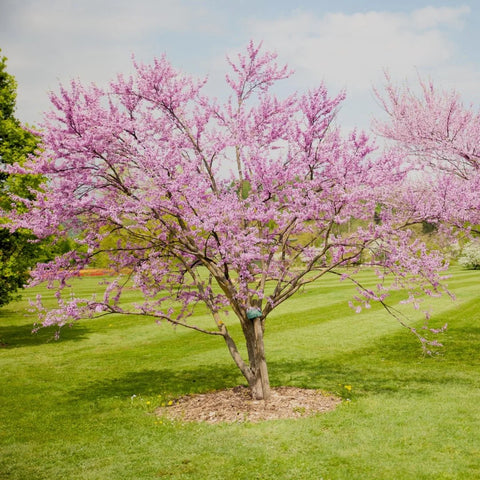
[430, 17]
[52, 41]
[118, 20]
[48, 41]
[353, 50]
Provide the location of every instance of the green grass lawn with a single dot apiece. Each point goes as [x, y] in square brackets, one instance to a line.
[82, 407]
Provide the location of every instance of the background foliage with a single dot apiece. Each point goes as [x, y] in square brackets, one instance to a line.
[20, 250]
[470, 257]
[17, 253]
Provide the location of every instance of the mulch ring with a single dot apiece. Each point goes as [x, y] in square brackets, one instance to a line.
[236, 405]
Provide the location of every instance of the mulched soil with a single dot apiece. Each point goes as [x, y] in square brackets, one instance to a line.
[236, 405]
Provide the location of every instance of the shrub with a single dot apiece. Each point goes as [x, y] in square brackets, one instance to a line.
[470, 257]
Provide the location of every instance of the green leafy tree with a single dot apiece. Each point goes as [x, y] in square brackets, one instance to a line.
[18, 251]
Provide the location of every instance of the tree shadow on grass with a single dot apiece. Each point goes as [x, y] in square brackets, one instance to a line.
[391, 364]
[166, 382]
[333, 375]
[388, 365]
[365, 378]
[18, 336]
[328, 376]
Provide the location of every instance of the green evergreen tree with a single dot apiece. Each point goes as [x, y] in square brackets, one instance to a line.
[17, 251]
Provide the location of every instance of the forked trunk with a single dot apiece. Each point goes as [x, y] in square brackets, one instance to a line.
[255, 371]
[258, 380]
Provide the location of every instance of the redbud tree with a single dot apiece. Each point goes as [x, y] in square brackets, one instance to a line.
[236, 205]
[441, 135]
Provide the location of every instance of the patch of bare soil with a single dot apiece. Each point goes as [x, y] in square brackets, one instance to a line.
[236, 405]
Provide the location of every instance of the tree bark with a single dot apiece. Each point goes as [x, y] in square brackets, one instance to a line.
[256, 370]
[258, 380]
[261, 390]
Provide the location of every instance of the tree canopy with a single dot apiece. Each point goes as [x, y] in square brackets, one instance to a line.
[18, 252]
[237, 205]
[441, 135]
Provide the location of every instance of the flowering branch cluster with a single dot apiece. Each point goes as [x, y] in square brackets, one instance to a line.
[442, 137]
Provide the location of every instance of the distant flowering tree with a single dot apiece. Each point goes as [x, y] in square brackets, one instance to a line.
[442, 137]
[237, 205]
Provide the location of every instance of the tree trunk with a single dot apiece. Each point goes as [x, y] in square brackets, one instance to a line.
[255, 371]
[258, 380]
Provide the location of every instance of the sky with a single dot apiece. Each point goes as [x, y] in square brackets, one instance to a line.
[347, 44]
